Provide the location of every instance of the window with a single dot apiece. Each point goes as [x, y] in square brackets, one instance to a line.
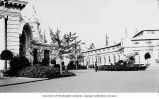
[104, 60]
[100, 61]
[114, 59]
[109, 59]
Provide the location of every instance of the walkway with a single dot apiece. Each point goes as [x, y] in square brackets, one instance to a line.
[90, 81]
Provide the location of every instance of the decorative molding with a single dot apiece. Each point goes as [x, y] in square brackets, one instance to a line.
[6, 13]
[148, 42]
[12, 45]
[136, 42]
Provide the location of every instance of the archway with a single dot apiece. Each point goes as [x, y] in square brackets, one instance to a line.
[25, 38]
[147, 56]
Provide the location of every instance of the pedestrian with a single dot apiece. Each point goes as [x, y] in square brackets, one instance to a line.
[96, 67]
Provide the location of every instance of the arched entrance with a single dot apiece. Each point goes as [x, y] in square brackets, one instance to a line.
[25, 38]
[147, 56]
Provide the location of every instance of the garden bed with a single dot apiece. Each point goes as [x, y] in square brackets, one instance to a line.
[39, 71]
[134, 67]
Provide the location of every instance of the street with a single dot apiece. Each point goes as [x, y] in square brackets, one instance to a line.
[91, 81]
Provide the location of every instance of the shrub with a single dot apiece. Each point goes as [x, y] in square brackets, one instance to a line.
[6, 55]
[71, 65]
[39, 71]
[16, 64]
[23, 61]
[53, 61]
[91, 66]
[120, 62]
[81, 67]
[57, 66]
[131, 58]
[123, 67]
[45, 62]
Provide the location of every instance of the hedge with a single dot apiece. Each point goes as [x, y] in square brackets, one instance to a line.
[127, 67]
[39, 71]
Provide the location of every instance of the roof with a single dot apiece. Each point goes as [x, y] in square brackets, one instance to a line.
[143, 31]
[16, 1]
[146, 36]
[102, 48]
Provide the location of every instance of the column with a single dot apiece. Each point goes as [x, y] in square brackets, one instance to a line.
[2, 40]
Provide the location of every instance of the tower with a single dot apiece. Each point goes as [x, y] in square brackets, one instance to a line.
[126, 33]
[106, 40]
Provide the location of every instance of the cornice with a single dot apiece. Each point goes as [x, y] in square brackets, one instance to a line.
[16, 3]
[9, 13]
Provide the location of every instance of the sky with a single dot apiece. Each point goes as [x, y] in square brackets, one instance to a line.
[93, 19]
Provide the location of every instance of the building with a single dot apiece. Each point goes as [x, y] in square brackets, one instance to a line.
[146, 41]
[20, 36]
[103, 56]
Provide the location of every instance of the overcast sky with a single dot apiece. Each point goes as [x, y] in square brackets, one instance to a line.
[92, 19]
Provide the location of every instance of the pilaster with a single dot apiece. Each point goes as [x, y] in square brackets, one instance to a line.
[2, 40]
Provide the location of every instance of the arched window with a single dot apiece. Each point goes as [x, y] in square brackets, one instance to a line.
[136, 53]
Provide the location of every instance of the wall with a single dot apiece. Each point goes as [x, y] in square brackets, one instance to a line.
[13, 34]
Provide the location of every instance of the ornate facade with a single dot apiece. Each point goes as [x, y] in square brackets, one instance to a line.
[20, 36]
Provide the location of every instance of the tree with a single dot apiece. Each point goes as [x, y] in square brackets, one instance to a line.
[66, 44]
[6, 55]
[131, 58]
[91, 46]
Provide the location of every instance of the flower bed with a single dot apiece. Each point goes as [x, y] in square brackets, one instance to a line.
[39, 71]
[127, 67]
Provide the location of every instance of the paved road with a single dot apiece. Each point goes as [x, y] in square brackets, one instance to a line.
[90, 81]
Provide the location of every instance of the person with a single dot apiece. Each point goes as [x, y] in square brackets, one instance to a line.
[96, 67]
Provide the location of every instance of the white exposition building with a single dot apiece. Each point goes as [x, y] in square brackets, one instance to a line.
[146, 41]
[19, 35]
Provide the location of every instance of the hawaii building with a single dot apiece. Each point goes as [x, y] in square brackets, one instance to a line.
[146, 41]
[19, 35]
